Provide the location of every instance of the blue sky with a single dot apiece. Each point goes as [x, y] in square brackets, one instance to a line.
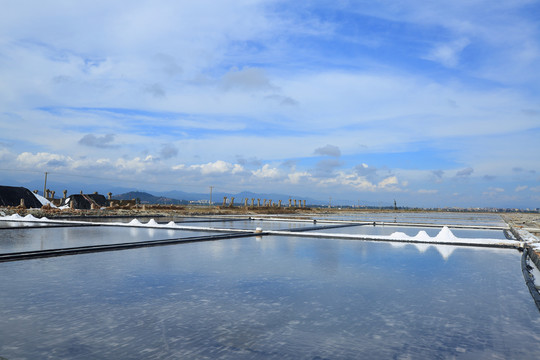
[431, 104]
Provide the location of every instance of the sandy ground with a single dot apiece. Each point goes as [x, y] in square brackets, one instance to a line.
[158, 211]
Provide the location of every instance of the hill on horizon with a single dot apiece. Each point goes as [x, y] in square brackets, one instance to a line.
[146, 198]
[178, 197]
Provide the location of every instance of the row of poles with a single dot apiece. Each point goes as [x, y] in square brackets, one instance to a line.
[265, 203]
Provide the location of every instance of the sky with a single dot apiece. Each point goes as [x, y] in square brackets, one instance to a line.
[431, 104]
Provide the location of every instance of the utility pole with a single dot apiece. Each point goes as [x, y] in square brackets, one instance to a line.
[211, 187]
[45, 186]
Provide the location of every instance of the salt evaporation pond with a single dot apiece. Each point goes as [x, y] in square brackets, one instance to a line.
[270, 298]
[447, 218]
[412, 231]
[29, 239]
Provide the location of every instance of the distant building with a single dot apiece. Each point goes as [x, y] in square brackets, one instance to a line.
[86, 201]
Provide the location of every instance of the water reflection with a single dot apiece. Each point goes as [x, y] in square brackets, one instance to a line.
[444, 250]
[428, 217]
[276, 297]
[29, 239]
[412, 231]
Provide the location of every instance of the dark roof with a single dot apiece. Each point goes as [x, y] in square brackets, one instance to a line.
[85, 201]
[11, 196]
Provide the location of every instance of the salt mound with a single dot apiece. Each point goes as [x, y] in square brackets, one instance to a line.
[152, 222]
[422, 235]
[399, 236]
[445, 235]
[44, 201]
[30, 217]
[171, 223]
[134, 222]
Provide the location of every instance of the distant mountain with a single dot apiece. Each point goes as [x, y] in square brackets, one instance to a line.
[176, 194]
[146, 198]
[180, 197]
[217, 197]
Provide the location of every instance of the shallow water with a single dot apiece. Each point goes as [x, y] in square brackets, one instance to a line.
[31, 239]
[413, 231]
[443, 218]
[273, 297]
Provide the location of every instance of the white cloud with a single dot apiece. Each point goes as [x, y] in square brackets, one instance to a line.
[218, 167]
[521, 188]
[389, 181]
[267, 172]
[358, 183]
[42, 160]
[448, 53]
[136, 164]
[299, 177]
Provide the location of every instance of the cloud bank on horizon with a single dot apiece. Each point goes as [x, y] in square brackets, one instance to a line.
[432, 104]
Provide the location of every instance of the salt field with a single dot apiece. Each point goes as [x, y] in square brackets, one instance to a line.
[266, 295]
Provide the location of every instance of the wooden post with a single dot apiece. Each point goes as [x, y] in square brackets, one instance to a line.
[110, 195]
[279, 203]
[232, 202]
[245, 202]
[304, 203]
[258, 202]
[290, 202]
[65, 194]
[295, 203]
[224, 201]
[252, 202]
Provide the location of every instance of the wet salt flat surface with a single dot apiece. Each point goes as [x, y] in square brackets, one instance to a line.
[233, 223]
[412, 231]
[253, 224]
[274, 297]
[426, 218]
[31, 239]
